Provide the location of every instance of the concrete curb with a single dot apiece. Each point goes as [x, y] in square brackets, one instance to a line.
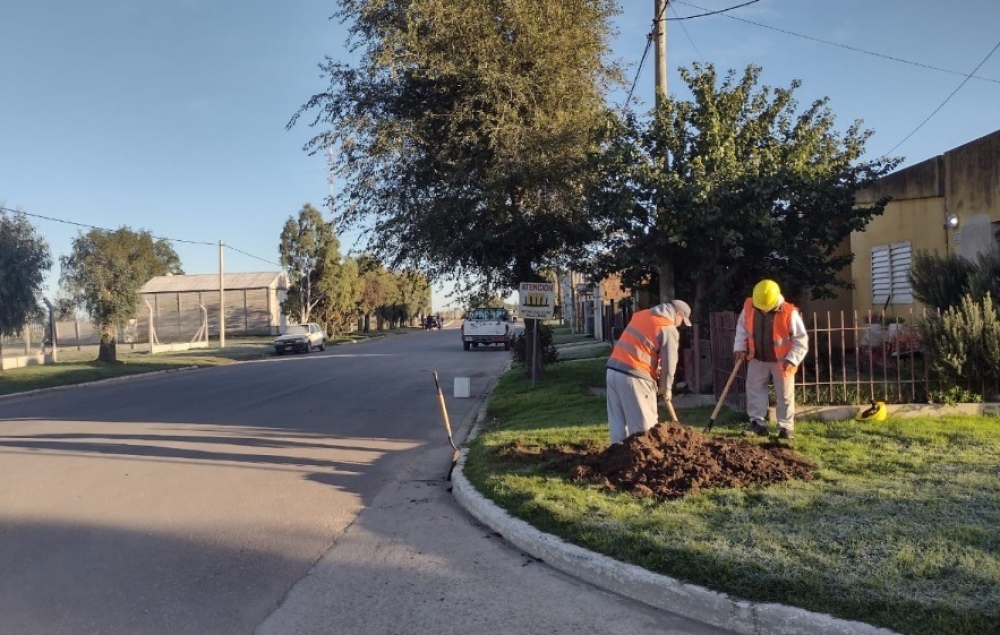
[662, 592]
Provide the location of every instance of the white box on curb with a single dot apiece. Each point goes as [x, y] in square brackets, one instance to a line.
[463, 387]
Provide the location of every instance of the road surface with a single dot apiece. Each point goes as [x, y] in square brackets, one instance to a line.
[293, 495]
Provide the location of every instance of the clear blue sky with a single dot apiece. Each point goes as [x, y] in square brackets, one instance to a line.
[170, 116]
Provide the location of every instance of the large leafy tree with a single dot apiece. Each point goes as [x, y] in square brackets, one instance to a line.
[324, 284]
[377, 289]
[736, 184]
[104, 272]
[414, 293]
[306, 242]
[24, 259]
[463, 130]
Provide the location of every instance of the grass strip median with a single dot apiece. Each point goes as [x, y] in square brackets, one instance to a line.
[898, 529]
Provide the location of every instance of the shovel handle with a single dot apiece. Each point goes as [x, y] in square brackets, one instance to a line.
[444, 410]
[725, 391]
[673, 413]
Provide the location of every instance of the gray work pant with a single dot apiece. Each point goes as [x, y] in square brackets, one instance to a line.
[631, 405]
[758, 375]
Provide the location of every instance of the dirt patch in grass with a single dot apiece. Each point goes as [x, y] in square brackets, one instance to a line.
[674, 460]
[670, 461]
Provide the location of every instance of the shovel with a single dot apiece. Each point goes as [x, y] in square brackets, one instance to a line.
[447, 425]
[725, 391]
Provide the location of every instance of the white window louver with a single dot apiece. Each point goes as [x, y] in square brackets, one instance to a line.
[890, 274]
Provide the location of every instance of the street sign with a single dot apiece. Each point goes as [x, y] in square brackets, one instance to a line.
[537, 300]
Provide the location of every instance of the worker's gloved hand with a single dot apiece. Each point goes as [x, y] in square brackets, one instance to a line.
[788, 369]
[739, 356]
[667, 397]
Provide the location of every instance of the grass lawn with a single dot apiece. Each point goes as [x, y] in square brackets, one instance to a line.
[901, 527]
[77, 367]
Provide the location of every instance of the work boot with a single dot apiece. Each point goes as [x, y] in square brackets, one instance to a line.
[786, 434]
[757, 427]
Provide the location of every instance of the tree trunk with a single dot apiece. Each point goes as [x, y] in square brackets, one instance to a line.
[109, 349]
[665, 269]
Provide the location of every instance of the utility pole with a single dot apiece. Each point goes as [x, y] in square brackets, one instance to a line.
[665, 266]
[222, 300]
[660, 42]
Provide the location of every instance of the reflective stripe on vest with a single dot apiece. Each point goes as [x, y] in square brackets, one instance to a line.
[782, 332]
[639, 347]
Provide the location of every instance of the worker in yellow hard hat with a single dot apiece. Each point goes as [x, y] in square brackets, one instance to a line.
[771, 336]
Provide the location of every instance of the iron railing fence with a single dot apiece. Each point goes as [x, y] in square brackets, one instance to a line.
[854, 358]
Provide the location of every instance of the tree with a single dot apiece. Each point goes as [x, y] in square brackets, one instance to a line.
[376, 288]
[104, 272]
[732, 186]
[469, 164]
[414, 293]
[24, 259]
[305, 245]
[464, 128]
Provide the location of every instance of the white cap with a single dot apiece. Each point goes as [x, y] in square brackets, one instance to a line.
[683, 310]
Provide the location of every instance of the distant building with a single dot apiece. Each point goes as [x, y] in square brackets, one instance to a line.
[179, 305]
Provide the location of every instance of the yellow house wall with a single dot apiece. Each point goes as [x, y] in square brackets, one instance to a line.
[919, 221]
[964, 182]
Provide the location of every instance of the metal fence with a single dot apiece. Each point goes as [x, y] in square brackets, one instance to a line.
[36, 339]
[853, 359]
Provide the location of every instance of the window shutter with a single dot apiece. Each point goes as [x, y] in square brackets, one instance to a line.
[881, 275]
[890, 274]
[899, 256]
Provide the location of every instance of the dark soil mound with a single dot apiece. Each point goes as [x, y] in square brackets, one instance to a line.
[674, 460]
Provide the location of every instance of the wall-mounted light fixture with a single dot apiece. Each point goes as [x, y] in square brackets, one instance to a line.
[951, 222]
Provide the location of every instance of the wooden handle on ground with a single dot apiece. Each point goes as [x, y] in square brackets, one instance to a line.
[725, 391]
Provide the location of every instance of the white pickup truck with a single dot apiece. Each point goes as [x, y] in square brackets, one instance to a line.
[487, 326]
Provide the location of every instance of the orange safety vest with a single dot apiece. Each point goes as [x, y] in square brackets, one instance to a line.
[638, 347]
[782, 332]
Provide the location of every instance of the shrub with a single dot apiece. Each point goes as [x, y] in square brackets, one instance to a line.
[546, 349]
[963, 344]
[940, 281]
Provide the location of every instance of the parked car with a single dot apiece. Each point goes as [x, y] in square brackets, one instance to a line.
[301, 338]
[433, 322]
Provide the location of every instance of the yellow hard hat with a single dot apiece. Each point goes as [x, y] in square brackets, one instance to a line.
[877, 412]
[766, 295]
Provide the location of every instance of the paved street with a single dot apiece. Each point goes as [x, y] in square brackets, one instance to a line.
[292, 495]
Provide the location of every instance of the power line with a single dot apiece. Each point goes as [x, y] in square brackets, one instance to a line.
[848, 47]
[652, 32]
[690, 39]
[947, 99]
[638, 71]
[708, 13]
[228, 246]
[104, 229]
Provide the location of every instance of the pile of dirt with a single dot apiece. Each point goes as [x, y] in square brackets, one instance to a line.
[674, 460]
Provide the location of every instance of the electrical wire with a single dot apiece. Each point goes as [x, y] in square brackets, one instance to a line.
[946, 100]
[103, 229]
[652, 33]
[688, 34]
[848, 47]
[708, 13]
[638, 71]
[228, 246]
